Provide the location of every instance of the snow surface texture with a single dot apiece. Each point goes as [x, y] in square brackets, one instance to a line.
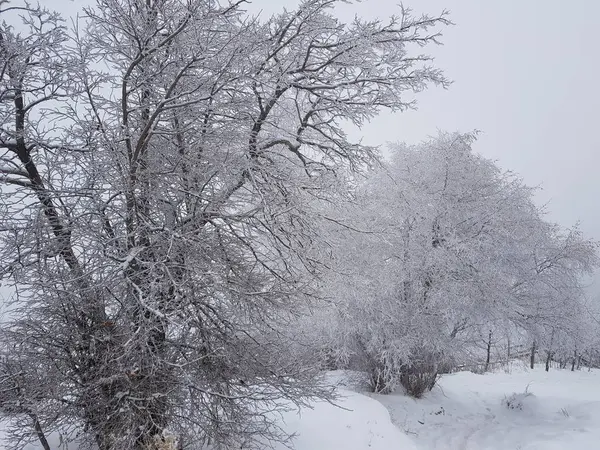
[521, 410]
[362, 424]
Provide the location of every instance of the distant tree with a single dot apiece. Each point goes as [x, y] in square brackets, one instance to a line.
[549, 290]
[441, 245]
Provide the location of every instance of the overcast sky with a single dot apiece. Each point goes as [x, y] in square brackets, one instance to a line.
[525, 74]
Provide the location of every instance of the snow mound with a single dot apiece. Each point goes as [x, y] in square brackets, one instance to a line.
[357, 423]
[524, 401]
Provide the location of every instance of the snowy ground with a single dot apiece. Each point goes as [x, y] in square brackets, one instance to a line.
[362, 424]
[468, 412]
[561, 410]
[465, 412]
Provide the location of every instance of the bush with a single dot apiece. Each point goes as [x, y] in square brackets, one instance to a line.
[417, 375]
[417, 383]
[382, 380]
[524, 401]
[420, 376]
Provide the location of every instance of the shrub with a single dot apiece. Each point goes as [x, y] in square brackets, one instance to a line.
[417, 375]
[520, 401]
[420, 376]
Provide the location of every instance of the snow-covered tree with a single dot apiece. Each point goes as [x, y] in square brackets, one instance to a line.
[160, 162]
[443, 249]
[549, 290]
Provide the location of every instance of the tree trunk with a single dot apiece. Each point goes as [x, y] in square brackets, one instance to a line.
[489, 349]
[39, 432]
[549, 352]
[574, 361]
[532, 357]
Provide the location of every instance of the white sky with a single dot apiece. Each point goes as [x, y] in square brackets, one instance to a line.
[525, 73]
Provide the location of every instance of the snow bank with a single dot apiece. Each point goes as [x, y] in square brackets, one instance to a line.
[362, 424]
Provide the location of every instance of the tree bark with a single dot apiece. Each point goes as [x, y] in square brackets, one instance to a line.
[550, 353]
[489, 350]
[40, 432]
[532, 357]
[548, 359]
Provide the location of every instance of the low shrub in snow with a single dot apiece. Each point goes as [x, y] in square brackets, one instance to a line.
[417, 375]
[518, 401]
[381, 379]
[418, 379]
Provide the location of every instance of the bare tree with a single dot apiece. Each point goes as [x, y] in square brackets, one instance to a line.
[158, 226]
